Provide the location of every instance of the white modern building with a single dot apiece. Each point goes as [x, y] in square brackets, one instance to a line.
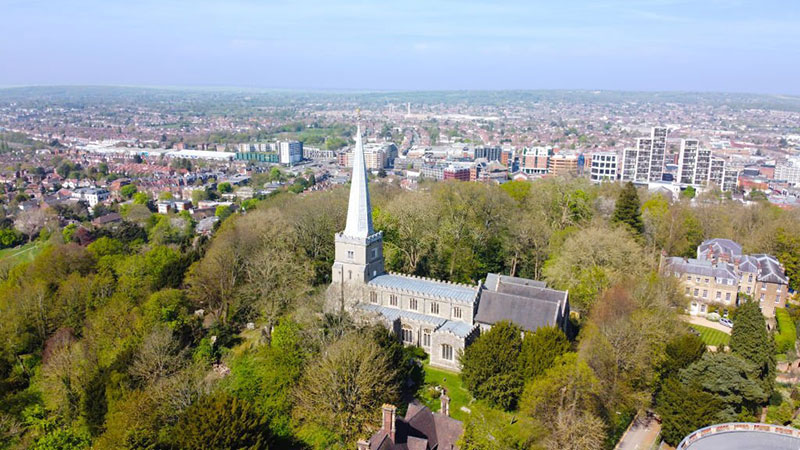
[290, 152]
[603, 166]
[645, 163]
[789, 171]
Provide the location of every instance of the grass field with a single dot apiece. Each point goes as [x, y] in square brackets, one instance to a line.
[459, 396]
[23, 253]
[711, 336]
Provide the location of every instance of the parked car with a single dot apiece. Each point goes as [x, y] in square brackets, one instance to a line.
[727, 322]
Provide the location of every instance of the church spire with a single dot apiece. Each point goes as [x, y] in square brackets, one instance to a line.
[359, 210]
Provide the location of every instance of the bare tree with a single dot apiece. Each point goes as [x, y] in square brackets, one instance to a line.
[158, 356]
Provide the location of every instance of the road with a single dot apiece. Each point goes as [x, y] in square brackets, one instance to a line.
[702, 321]
[641, 434]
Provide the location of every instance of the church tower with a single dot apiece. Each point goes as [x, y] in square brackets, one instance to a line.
[359, 249]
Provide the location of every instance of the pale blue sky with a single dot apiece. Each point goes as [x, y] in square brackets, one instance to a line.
[704, 45]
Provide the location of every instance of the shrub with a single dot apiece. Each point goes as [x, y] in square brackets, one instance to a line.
[787, 333]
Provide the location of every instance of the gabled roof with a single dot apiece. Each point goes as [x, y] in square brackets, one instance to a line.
[426, 287]
[714, 248]
[528, 313]
[770, 270]
[527, 303]
[420, 429]
[701, 267]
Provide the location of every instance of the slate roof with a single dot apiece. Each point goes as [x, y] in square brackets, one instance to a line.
[460, 329]
[701, 267]
[770, 270]
[420, 429]
[525, 302]
[426, 287]
[714, 248]
[394, 313]
[493, 279]
[528, 313]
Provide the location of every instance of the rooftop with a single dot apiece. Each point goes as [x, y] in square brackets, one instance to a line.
[426, 287]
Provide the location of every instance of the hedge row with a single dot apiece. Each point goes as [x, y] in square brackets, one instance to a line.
[787, 334]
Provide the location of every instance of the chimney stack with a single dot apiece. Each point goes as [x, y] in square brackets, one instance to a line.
[445, 404]
[362, 445]
[388, 420]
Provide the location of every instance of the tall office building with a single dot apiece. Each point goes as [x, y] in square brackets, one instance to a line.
[645, 163]
[490, 153]
[291, 152]
[695, 164]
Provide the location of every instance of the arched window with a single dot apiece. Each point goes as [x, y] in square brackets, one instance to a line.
[447, 352]
[426, 338]
[373, 297]
[408, 334]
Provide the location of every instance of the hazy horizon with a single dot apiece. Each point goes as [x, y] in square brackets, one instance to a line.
[630, 46]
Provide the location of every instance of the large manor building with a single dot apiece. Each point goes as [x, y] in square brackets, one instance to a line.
[721, 272]
[439, 316]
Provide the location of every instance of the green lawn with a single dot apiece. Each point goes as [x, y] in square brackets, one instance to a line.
[24, 253]
[711, 336]
[459, 396]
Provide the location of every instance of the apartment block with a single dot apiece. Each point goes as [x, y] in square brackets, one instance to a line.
[535, 160]
[603, 166]
[645, 162]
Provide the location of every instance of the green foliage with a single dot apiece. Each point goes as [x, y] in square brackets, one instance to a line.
[62, 439]
[10, 237]
[729, 378]
[343, 390]
[221, 421]
[539, 350]
[225, 188]
[128, 190]
[489, 366]
[751, 341]
[490, 429]
[780, 414]
[592, 259]
[223, 212]
[141, 198]
[689, 192]
[787, 333]
[569, 382]
[518, 190]
[105, 246]
[266, 377]
[684, 409]
[627, 210]
[680, 352]
[787, 250]
[68, 232]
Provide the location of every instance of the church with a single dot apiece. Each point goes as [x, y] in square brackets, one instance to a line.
[441, 317]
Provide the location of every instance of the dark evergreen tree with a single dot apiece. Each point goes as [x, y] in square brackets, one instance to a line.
[540, 349]
[684, 409]
[681, 351]
[628, 209]
[221, 421]
[489, 367]
[751, 341]
[731, 379]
